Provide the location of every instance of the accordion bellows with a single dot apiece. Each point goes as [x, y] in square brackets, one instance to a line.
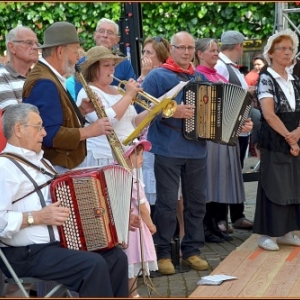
[220, 111]
[99, 202]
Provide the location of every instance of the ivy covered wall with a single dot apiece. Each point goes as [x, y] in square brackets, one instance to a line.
[202, 19]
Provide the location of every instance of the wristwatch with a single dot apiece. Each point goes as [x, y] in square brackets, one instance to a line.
[30, 219]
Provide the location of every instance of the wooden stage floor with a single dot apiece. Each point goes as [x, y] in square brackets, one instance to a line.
[259, 273]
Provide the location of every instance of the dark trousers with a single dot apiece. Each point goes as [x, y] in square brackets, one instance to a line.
[193, 175]
[90, 274]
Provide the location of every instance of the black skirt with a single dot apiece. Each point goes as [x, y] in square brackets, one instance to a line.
[278, 194]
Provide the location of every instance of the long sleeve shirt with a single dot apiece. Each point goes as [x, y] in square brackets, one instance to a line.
[13, 185]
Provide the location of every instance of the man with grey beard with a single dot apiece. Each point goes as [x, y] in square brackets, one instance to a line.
[65, 143]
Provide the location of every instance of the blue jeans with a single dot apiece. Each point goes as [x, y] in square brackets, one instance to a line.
[194, 177]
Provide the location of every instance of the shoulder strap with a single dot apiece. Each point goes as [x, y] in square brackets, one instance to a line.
[28, 163]
[13, 157]
[37, 189]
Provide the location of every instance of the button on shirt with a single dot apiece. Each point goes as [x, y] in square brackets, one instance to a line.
[13, 185]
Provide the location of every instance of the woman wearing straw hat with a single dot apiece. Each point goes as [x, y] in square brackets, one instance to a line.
[97, 69]
[277, 211]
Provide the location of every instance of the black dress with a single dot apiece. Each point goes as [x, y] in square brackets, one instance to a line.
[278, 192]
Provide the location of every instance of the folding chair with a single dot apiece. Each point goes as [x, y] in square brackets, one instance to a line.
[57, 290]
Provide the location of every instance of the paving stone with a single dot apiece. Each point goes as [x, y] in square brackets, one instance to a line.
[182, 284]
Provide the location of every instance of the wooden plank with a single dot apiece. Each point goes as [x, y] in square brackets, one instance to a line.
[265, 273]
[284, 280]
[260, 273]
[243, 273]
[250, 244]
[227, 266]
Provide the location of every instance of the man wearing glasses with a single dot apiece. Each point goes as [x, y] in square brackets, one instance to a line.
[65, 142]
[22, 50]
[175, 158]
[106, 35]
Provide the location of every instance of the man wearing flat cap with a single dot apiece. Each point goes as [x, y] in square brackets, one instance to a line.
[65, 147]
[231, 52]
[65, 143]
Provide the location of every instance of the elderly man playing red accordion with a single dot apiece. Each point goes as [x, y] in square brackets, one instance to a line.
[28, 225]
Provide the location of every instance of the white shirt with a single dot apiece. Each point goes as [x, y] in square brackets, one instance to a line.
[222, 70]
[13, 185]
[123, 128]
[286, 86]
[59, 77]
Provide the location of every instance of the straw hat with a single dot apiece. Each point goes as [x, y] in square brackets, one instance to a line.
[271, 39]
[129, 149]
[60, 33]
[95, 54]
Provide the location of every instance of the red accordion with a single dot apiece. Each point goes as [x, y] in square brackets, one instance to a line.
[99, 202]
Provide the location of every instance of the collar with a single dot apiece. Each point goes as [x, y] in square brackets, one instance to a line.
[205, 69]
[276, 75]
[227, 60]
[60, 78]
[30, 155]
[170, 64]
[12, 72]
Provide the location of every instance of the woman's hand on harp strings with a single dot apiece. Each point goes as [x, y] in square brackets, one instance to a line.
[52, 214]
[184, 111]
[248, 125]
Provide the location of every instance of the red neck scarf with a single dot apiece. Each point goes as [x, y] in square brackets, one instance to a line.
[171, 65]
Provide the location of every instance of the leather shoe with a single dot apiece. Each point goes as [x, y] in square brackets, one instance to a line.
[218, 232]
[243, 223]
[222, 227]
[212, 238]
[223, 235]
[165, 266]
[267, 243]
[196, 263]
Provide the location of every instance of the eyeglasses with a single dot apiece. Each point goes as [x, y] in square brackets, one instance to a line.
[284, 49]
[76, 51]
[28, 43]
[184, 48]
[108, 32]
[39, 127]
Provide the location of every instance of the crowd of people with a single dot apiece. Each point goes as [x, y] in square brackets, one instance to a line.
[52, 126]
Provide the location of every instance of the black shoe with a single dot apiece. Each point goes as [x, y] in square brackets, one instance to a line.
[219, 233]
[211, 238]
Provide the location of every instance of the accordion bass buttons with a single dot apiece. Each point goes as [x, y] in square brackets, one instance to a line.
[190, 99]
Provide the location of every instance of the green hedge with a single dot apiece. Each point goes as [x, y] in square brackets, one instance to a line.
[203, 19]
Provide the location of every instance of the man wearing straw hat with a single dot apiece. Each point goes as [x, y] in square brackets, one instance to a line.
[65, 143]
